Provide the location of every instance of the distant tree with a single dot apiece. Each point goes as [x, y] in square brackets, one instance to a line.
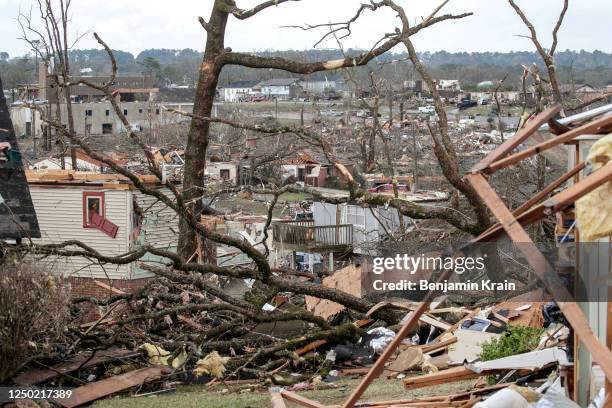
[152, 68]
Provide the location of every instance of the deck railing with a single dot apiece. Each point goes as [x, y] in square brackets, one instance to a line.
[305, 234]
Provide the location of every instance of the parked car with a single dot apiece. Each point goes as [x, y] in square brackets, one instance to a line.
[388, 188]
[364, 113]
[332, 112]
[467, 103]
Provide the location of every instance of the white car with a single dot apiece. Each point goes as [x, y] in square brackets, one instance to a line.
[429, 110]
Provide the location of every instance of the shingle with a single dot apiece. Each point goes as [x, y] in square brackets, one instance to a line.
[17, 214]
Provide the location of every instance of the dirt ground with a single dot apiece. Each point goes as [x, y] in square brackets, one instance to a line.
[245, 397]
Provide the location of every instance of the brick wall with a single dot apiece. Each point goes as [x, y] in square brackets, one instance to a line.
[88, 287]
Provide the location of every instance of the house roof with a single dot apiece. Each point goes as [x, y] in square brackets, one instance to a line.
[574, 87]
[242, 84]
[280, 82]
[17, 214]
[85, 178]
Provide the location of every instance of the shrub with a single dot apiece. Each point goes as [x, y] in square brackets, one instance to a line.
[34, 311]
[515, 340]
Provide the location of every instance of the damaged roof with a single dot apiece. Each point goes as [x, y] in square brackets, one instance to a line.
[17, 215]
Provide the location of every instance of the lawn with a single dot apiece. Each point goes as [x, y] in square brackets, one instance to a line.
[245, 397]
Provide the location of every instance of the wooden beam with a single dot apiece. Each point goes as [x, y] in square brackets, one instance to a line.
[276, 398]
[572, 312]
[298, 399]
[554, 204]
[591, 127]
[519, 137]
[538, 197]
[379, 365]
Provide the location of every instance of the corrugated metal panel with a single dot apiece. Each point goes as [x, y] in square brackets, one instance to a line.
[60, 216]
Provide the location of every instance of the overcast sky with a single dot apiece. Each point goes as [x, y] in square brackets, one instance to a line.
[135, 25]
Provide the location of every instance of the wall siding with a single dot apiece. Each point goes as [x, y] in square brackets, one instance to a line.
[159, 228]
[60, 215]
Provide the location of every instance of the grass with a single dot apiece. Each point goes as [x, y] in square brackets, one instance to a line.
[486, 109]
[245, 397]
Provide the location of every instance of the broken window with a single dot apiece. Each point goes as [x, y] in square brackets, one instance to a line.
[88, 112]
[140, 111]
[125, 112]
[354, 215]
[225, 174]
[93, 214]
[93, 203]
[107, 128]
[108, 112]
[157, 111]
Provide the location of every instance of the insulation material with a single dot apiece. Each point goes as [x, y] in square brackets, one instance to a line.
[159, 356]
[594, 209]
[213, 364]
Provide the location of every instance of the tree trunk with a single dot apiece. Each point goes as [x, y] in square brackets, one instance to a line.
[198, 136]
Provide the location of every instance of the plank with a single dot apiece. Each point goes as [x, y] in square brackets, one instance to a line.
[556, 203]
[590, 127]
[276, 398]
[379, 365]
[519, 137]
[440, 377]
[298, 399]
[39, 375]
[108, 386]
[572, 312]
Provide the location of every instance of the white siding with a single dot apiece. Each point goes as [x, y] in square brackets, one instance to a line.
[60, 216]
[159, 227]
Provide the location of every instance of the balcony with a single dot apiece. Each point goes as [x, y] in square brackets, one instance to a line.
[305, 236]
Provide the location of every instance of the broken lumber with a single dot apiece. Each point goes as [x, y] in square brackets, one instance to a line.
[108, 386]
[441, 377]
[39, 375]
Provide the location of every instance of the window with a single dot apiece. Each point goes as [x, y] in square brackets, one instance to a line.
[157, 111]
[354, 215]
[88, 112]
[107, 128]
[225, 174]
[140, 110]
[125, 112]
[108, 112]
[93, 203]
[93, 214]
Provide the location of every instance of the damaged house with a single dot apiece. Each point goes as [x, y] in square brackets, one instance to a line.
[106, 212]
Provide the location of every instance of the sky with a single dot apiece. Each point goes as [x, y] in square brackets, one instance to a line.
[135, 25]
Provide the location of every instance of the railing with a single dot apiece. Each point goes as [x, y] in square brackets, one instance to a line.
[308, 236]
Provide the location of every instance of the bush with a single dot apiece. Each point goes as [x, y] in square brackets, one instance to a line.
[34, 311]
[515, 340]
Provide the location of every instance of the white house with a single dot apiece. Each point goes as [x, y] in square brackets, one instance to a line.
[107, 213]
[281, 88]
[222, 171]
[239, 89]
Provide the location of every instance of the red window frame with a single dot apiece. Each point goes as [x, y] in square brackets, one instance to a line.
[86, 195]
